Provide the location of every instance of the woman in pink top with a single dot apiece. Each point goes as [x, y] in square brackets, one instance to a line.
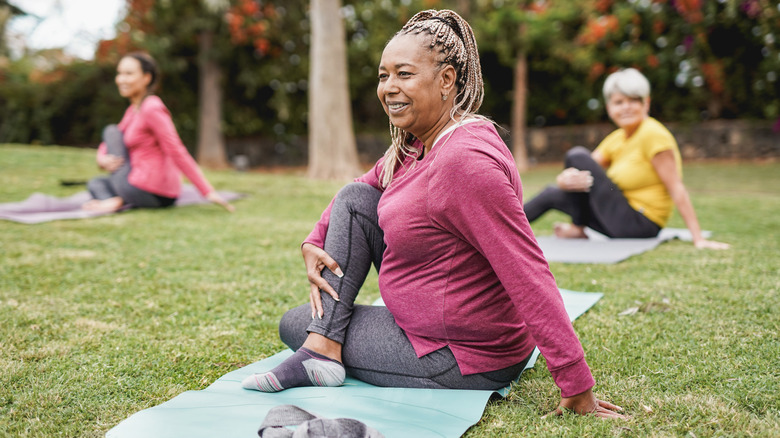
[144, 154]
[467, 290]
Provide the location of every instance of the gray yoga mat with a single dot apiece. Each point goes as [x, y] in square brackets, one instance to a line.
[40, 208]
[598, 248]
[224, 409]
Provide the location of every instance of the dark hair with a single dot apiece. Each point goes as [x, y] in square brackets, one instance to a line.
[148, 65]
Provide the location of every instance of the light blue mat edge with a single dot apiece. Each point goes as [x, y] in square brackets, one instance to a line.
[226, 409]
[600, 249]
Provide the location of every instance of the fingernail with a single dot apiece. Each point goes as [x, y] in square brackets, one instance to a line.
[337, 299]
[312, 315]
[338, 273]
[320, 315]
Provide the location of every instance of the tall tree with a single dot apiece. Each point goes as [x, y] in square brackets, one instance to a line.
[519, 109]
[332, 147]
[7, 12]
[211, 143]
[535, 21]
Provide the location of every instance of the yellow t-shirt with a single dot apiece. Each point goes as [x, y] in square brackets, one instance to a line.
[631, 168]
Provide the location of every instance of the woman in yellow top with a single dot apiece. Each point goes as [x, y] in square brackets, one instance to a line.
[629, 184]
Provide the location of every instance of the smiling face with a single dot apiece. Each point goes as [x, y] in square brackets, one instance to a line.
[627, 112]
[131, 81]
[411, 86]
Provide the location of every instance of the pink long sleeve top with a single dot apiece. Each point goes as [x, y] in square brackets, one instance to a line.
[157, 155]
[462, 268]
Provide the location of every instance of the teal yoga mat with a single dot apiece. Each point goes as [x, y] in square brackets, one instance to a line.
[224, 409]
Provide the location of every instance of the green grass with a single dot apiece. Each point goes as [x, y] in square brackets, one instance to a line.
[108, 316]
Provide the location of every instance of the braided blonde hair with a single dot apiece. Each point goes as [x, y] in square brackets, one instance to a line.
[454, 39]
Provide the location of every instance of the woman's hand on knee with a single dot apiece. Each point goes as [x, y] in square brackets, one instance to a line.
[110, 162]
[316, 259]
[574, 180]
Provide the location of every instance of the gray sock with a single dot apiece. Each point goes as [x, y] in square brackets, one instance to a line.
[304, 368]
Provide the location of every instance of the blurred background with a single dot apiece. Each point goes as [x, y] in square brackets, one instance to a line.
[713, 66]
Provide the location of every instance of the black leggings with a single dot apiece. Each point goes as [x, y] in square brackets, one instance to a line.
[116, 184]
[375, 349]
[603, 209]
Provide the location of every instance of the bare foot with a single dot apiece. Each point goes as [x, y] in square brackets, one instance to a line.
[569, 231]
[109, 205]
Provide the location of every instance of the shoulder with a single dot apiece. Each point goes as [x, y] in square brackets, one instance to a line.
[479, 137]
[153, 104]
[654, 128]
[473, 148]
[655, 138]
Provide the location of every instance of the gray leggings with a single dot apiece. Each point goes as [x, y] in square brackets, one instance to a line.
[116, 184]
[375, 349]
[604, 209]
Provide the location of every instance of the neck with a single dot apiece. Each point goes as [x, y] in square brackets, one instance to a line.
[136, 100]
[429, 137]
[630, 130]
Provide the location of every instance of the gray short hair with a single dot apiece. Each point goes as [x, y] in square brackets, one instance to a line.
[628, 81]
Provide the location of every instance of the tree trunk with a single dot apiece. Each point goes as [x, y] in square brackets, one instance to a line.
[211, 144]
[332, 148]
[519, 149]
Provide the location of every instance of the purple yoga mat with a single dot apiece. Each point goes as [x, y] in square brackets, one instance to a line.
[44, 208]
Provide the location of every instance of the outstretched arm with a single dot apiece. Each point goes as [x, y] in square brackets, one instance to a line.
[665, 167]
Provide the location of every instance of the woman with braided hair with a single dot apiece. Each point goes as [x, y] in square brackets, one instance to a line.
[467, 290]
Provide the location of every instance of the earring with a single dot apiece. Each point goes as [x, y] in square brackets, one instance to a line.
[444, 97]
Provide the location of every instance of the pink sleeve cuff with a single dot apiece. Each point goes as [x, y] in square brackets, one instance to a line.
[573, 379]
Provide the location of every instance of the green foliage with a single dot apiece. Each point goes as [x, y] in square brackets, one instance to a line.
[61, 106]
[264, 79]
[370, 25]
[104, 317]
[704, 59]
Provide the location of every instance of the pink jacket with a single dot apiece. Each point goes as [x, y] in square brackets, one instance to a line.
[462, 268]
[157, 155]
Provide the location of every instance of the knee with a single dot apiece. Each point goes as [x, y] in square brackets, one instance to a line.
[355, 190]
[578, 157]
[110, 130]
[357, 193]
[293, 325]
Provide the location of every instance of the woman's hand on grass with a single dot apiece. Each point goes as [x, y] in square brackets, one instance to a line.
[316, 259]
[710, 244]
[216, 198]
[587, 403]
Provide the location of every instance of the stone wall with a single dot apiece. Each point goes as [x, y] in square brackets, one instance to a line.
[732, 139]
[729, 139]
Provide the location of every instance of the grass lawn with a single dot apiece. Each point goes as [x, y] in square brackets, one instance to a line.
[103, 317]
